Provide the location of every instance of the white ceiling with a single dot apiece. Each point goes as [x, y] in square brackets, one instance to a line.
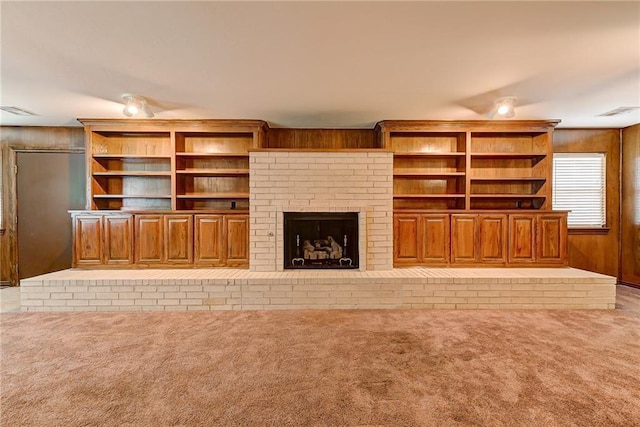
[322, 64]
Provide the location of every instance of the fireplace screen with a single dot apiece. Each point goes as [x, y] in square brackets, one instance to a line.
[320, 240]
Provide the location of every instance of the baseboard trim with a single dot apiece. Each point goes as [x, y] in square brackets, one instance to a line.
[630, 284]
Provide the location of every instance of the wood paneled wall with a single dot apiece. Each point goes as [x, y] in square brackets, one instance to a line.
[25, 138]
[596, 251]
[630, 240]
[327, 139]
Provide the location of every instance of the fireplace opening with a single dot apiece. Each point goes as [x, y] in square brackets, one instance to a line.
[320, 240]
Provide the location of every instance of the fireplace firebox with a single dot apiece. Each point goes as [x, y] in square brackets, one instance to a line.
[320, 240]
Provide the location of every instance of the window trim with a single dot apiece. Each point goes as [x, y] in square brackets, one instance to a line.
[582, 229]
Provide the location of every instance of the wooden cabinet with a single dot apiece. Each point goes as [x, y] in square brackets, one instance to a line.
[513, 239]
[151, 239]
[237, 240]
[421, 239]
[492, 241]
[407, 239]
[102, 239]
[522, 239]
[470, 165]
[87, 240]
[222, 240]
[551, 239]
[437, 241]
[118, 239]
[464, 238]
[208, 240]
[178, 239]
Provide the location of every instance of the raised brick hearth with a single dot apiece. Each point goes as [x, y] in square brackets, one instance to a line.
[358, 181]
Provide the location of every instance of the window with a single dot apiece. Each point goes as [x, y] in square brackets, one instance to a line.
[579, 187]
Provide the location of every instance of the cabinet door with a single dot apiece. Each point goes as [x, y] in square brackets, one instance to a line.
[118, 239]
[552, 239]
[522, 238]
[87, 240]
[237, 243]
[407, 239]
[208, 239]
[437, 238]
[492, 240]
[464, 245]
[178, 239]
[149, 239]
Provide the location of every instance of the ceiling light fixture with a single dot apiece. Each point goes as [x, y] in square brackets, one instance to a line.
[135, 105]
[504, 107]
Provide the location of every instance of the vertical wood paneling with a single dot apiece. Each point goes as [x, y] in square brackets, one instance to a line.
[630, 242]
[589, 251]
[321, 138]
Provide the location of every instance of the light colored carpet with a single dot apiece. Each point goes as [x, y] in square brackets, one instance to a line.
[322, 368]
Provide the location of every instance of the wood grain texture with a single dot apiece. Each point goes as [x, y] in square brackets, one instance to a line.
[321, 138]
[437, 239]
[522, 238]
[630, 242]
[551, 230]
[87, 240]
[149, 248]
[118, 239]
[236, 230]
[464, 241]
[208, 239]
[492, 240]
[25, 138]
[178, 239]
[407, 239]
[596, 252]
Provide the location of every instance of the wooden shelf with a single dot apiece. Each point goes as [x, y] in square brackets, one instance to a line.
[213, 172]
[427, 173]
[190, 154]
[131, 156]
[213, 196]
[133, 173]
[428, 196]
[507, 155]
[498, 179]
[429, 154]
[508, 196]
[131, 196]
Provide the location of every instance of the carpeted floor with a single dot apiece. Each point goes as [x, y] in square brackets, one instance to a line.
[323, 368]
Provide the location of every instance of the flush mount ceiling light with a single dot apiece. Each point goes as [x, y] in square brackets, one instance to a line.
[504, 107]
[136, 106]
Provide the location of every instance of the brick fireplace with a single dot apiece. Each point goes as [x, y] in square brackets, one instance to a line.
[352, 181]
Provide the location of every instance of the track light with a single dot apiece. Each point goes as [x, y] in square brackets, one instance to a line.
[135, 105]
[504, 107]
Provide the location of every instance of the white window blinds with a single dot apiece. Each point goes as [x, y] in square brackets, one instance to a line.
[579, 186]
